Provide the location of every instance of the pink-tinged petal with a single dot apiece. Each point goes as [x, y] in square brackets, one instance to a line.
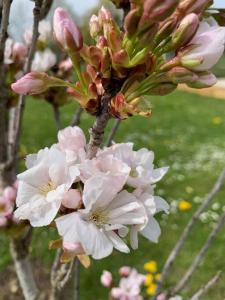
[100, 190]
[106, 279]
[74, 248]
[72, 199]
[117, 293]
[71, 138]
[209, 47]
[10, 193]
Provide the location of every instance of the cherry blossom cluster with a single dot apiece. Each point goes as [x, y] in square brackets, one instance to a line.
[130, 284]
[7, 205]
[97, 204]
[161, 45]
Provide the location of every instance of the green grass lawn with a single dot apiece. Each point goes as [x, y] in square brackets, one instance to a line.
[187, 133]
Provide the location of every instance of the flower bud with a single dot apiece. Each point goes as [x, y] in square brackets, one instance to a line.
[193, 6]
[35, 83]
[162, 89]
[204, 80]
[166, 28]
[185, 31]
[131, 21]
[95, 27]
[181, 75]
[104, 15]
[106, 279]
[66, 31]
[19, 51]
[156, 11]
[125, 271]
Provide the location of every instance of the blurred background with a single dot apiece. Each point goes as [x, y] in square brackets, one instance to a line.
[186, 132]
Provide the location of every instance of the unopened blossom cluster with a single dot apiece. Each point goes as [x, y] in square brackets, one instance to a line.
[130, 284]
[162, 44]
[96, 204]
[7, 206]
[45, 59]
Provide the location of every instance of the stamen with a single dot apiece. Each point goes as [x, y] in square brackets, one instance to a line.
[48, 187]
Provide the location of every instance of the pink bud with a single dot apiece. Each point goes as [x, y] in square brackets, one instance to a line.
[185, 31]
[125, 271]
[10, 193]
[19, 51]
[31, 83]
[104, 15]
[72, 199]
[204, 80]
[35, 83]
[106, 279]
[66, 31]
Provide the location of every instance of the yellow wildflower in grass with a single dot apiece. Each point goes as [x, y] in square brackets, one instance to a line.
[151, 266]
[158, 277]
[151, 289]
[184, 205]
[217, 120]
[149, 279]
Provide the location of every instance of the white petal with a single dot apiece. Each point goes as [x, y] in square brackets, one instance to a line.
[117, 242]
[93, 240]
[152, 230]
[161, 204]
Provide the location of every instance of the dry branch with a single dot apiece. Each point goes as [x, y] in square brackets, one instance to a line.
[5, 12]
[199, 257]
[204, 289]
[19, 248]
[176, 250]
[16, 119]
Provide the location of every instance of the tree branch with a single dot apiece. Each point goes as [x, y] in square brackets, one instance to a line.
[176, 250]
[77, 116]
[113, 131]
[97, 131]
[16, 119]
[19, 248]
[5, 11]
[185, 279]
[57, 116]
[204, 289]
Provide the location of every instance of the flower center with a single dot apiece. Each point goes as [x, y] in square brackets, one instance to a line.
[46, 188]
[133, 173]
[99, 218]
